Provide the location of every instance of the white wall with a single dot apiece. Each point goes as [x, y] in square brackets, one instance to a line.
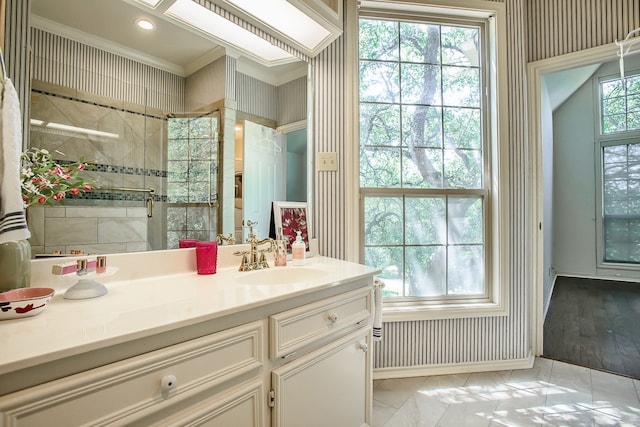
[574, 183]
[547, 167]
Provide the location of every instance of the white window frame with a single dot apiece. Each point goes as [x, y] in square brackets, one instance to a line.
[497, 245]
[605, 140]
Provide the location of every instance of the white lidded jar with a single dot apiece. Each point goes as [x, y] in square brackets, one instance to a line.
[298, 250]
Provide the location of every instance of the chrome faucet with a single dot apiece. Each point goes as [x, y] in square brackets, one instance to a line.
[254, 258]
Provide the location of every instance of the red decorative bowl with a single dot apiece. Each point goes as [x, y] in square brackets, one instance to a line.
[24, 302]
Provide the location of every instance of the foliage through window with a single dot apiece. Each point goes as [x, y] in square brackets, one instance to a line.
[619, 144]
[423, 165]
[192, 181]
[620, 108]
[621, 202]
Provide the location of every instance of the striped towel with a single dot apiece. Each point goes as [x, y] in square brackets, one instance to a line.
[13, 224]
[377, 316]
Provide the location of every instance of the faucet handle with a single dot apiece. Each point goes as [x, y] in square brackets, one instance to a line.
[263, 259]
[229, 239]
[250, 224]
[244, 262]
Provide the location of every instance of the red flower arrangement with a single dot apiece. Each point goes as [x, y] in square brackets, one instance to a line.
[44, 181]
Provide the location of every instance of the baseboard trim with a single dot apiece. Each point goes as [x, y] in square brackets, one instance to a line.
[454, 368]
[601, 277]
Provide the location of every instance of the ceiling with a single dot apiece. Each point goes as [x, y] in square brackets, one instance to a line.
[111, 25]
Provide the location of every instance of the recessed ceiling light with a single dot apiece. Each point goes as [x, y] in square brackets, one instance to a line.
[145, 24]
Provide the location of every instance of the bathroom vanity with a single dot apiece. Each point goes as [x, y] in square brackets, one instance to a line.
[286, 346]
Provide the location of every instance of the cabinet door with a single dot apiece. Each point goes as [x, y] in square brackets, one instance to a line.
[328, 387]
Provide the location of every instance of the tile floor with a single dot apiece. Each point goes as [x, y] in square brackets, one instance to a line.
[551, 393]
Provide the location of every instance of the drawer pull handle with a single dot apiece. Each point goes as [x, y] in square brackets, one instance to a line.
[290, 355]
[333, 317]
[364, 347]
[168, 383]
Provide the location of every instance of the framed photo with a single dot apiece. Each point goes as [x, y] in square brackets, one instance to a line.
[289, 217]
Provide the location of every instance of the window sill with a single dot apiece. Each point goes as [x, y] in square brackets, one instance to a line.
[444, 311]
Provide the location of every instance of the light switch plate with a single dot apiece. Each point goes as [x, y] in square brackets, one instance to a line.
[327, 161]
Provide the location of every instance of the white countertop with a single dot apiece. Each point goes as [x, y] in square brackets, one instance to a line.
[139, 307]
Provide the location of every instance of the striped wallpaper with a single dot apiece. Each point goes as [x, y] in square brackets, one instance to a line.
[283, 104]
[75, 65]
[557, 27]
[17, 41]
[292, 101]
[256, 97]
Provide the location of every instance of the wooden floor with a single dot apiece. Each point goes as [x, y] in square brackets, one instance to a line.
[595, 323]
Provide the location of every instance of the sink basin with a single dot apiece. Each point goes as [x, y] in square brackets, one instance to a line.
[282, 276]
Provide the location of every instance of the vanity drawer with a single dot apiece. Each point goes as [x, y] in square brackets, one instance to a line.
[122, 392]
[293, 329]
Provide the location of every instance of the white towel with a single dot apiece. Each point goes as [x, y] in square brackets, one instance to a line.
[377, 316]
[13, 224]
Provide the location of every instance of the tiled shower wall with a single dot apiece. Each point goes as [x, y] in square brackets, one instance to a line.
[101, 220]
[88, 229]
[71, 86]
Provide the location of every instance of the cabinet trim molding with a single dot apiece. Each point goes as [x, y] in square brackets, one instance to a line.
[313, 322]
[228, 354]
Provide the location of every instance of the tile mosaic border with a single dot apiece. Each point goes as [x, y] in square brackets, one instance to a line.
[98, 104]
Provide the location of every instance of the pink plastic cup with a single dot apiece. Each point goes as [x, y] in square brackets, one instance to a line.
[187, 243]
[206, 257]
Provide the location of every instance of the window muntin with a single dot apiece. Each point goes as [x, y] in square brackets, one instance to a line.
[619, 166]
[422, 162]
[621, 202]
[192, 178]
[620, 108]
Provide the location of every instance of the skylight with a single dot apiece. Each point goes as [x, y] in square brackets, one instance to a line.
[226, 32]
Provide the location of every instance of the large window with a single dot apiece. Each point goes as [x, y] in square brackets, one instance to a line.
[619, 146]
[424, 162]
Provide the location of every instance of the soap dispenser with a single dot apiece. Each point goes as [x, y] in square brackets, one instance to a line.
[280, 257]
[298, 250]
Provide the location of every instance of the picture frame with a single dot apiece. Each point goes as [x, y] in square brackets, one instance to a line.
[288, 217]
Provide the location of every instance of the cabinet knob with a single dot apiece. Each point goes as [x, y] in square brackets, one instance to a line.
[333, 317]
[364, 347]
[168, 383]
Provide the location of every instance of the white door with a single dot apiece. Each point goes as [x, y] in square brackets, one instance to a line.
[264, 177]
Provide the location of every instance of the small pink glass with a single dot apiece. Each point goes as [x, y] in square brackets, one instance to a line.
[187, 243]
[206, 257]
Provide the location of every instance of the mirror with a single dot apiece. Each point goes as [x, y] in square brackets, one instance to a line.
[160, 117]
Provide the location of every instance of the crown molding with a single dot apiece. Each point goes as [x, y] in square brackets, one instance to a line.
[100, 43]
